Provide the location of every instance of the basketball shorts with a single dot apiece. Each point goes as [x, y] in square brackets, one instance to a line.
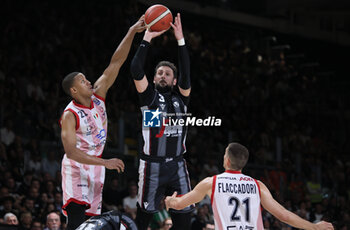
[82, 184]
[160, 179]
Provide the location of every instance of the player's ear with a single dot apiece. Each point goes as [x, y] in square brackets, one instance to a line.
[73, 90]
[228, 162]
[174, 82]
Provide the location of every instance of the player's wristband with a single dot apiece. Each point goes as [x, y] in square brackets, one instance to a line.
[181, 42]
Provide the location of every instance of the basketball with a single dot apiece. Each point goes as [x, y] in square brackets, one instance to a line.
[158, 18]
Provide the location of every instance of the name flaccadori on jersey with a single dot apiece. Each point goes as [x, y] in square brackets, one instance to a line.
[237, 188]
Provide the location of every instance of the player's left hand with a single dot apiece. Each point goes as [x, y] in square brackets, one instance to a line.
[139, 26]
[168, 200]
[177, 27]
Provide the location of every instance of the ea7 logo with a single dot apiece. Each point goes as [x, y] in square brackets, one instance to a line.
[101, 134]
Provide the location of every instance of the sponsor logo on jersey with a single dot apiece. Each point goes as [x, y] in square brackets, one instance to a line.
[176, 104]
[88, 130]
[82, 185]
[96, 101]
[236, 227]
[245, 179]
[161, 98]
[102, 134]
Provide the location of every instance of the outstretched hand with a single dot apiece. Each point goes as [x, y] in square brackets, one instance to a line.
[168, 201]
[149, 35]
[139, 26]
[177, 27]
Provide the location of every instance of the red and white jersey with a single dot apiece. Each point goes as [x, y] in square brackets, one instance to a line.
[235, 200]
[82, 183]
[91, 125]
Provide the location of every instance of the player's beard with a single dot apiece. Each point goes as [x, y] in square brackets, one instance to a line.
[164, 89]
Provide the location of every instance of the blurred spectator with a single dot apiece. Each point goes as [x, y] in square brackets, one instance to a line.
[129, 202]
[25, 221]
[7, 135]
[50, 164]
[317, 215]
[53, 221]
[112, 195]
[10, 218]
[58, 201]
[167, 224]
[314, 189]
[26, 183]
[159, 217]
[7, 206]
[209, 226]
[36, 225]
[201, 218]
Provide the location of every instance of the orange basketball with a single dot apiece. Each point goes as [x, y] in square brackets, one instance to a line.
[158, 18]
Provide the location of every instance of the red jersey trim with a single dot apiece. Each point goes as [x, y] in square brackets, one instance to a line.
[77, 202]
[258, 187]
[99, 97]
[234, 172]
[213, 190]
[77, 125]
[90, 214]
[60, 121]
[83, 106]
[124, 224]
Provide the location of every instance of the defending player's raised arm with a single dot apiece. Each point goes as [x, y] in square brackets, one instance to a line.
[272, 206]
[108, 77]
[184, 80]
[138, 62]
[197, 194]
[68, 136]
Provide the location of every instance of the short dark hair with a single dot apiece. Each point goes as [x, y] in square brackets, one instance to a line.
[68, 81]
[238, 155]
[169, 64]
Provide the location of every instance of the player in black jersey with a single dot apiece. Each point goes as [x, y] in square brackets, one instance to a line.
[112, 220]
[162, 168]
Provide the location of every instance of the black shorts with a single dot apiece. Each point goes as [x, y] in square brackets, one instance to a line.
[160, 179]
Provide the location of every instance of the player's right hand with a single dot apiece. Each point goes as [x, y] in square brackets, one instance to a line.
[115, 163]
[168, 200]
[149, 35]
[139, 26]
[323, 225]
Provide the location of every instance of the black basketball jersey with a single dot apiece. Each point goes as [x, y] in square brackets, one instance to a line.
[164, 139]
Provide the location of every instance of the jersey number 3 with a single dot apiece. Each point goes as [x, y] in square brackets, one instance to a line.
[235, 202]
